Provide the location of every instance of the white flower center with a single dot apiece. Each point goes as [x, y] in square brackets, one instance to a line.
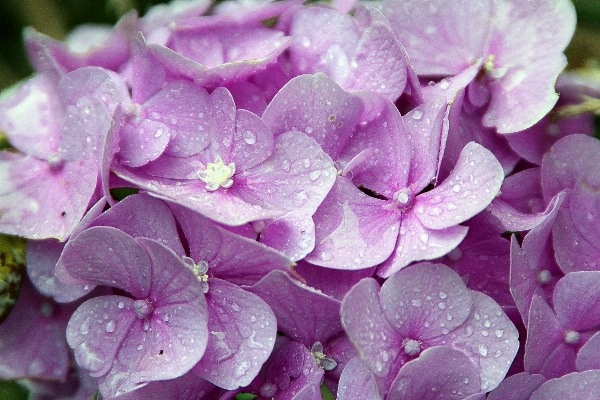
[217, 174]
[571, 337]
[411, 347]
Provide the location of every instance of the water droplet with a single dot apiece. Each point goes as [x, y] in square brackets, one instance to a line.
[325, 256]
[235, 307]
[487, 324]
[378, 366]
[441, 305]
[443, 295]
[146, 324]
[483, 350]
[417, 114]
[140, 347]
[249, 137]
[314, 175]
[84, 329]
[121, 304]
[445, 83]
[499, 332]
[456, 188]
[416, 303]
[305, 42]
[308, 130]
[110, 326]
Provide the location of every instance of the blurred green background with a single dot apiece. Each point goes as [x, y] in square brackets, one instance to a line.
[56, 17]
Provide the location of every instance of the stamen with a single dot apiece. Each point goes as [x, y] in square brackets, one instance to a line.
[217, 175]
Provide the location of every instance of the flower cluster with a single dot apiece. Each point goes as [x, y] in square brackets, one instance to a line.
[374, 199]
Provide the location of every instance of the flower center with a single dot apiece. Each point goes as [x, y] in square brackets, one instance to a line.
[544, 277]
[411, 347]
[403, 199]
[490, 68]
[571, 337]
[217, 174]
[326, 363]
[142, 308]
[199, 269]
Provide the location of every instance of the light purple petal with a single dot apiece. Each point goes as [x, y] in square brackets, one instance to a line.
[488, 338]
[575, 386]
[253, 141]
[143, 216]
[379, 63]
[468, 190]
[357, 382]
[577, 300]
[572, 158]
[517, 387]
[303, 313]
[230, 257]
[106, 256]
[42, 257]
[587, 358]
[29, 117]
[528, 40]
[298, 175]
[417, 242]
[97, 329]
[546, 351]
[242, 334]
[352, 230]
[32, 338]
[333, 282]
[187, 387]
[34, 196]
[515, 221]
[363, 318]
[439, 373]
[292, 234]
[442, 38]
[423, 314]
[324, 111]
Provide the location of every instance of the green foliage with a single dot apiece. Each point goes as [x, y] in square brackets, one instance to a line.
[12, 391]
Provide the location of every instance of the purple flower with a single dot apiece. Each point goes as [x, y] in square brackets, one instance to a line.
[519, 50]
[421, 308]
[58, 126]
[32, 341]
[158, 333]
[349, 50]
[556, 337]
[236, 172]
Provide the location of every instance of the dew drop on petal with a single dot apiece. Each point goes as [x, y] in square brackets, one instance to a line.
[314, 175]
[84, 329]
[110, 326]
[483, 350]
[249, 137]
[417, 114]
